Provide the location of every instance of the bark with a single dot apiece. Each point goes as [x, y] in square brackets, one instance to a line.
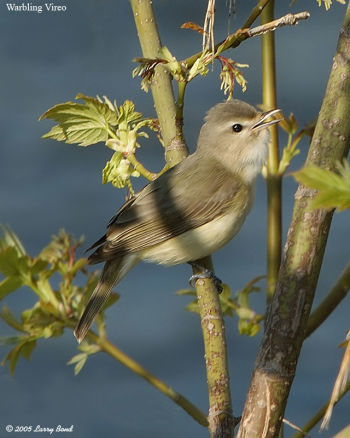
[303, 253]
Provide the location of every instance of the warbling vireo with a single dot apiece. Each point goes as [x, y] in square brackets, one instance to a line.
[191, 210]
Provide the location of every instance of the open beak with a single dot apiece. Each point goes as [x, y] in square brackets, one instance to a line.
[264, 116]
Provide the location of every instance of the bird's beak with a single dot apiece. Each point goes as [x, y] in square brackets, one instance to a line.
[263, 124]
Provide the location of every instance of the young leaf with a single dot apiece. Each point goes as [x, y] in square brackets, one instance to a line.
[83, 124]
[10, 239]
[9, 284]
[328, 3]
[10, 319]
[333, 189]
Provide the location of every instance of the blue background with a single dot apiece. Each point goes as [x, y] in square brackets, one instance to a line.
[48, 58]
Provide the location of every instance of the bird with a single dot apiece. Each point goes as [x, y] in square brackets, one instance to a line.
[193, 209]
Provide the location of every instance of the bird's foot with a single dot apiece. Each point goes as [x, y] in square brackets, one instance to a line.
[205, 273]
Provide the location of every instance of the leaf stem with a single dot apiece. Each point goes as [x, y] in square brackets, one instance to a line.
[140, 168]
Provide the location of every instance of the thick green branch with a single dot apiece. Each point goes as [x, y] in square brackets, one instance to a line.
[170, 117]
[303, 253]
[221, 422]
[326, 307]
[273, 179]
[162, 91]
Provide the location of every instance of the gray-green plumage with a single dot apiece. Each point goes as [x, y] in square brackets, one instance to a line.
[191, 210]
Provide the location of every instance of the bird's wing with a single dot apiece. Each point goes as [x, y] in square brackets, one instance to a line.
[171, 205]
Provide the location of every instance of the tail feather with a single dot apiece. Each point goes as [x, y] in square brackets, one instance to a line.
[113, 272]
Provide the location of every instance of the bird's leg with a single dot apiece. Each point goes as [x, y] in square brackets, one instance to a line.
[204, 273]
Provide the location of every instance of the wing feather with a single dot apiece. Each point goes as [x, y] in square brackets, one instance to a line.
[171, 205]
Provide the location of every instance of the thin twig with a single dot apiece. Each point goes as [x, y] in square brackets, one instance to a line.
[333, 298]
[286, 20]
[235, 39]
[294, 426]
[123, 358]
[319, 414]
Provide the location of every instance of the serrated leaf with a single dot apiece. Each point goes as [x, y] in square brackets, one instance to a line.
[82, 124]
[118, 171]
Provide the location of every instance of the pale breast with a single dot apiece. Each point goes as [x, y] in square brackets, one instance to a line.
[199, 242]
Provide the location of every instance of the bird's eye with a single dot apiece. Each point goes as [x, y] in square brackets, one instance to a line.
[237, 127]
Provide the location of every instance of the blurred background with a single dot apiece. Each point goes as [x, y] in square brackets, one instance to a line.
[45, 186]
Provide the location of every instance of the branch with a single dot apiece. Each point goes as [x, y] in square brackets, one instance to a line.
[121, 357]
[221, 421]
[319, 414]
[235, 39]
[273, 178]
[162, 91]
[303, 253]
[220, 411]
[286, 20]
[326, 307]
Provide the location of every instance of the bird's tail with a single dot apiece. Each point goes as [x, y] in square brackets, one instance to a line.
[113, 272]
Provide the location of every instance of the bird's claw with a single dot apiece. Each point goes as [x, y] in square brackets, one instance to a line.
[206, 274]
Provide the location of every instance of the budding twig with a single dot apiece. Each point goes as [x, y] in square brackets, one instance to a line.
[286, 20]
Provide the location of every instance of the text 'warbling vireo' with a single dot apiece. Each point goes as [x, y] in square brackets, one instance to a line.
[191, 210]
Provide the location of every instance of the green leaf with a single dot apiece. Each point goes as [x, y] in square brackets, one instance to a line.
[248, 328]
[82, 124]
[11, 340]
[193, 306]
[186, 292]
[81, 358]
[25, 349]
[89, 348]
[8, 285]
[10, 319]
[38, 265]
[9, 261]
[118, 171]
[11, 239]
[28, 348]
[328, 3]
[333, 189]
